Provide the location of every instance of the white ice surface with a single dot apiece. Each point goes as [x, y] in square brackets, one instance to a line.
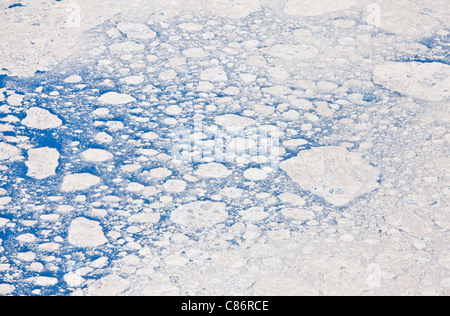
[333, 119]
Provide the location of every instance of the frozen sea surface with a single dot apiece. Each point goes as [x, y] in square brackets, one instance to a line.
[225, 147]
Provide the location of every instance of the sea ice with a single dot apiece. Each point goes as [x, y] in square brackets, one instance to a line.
[115, 98]
[86, 233]
[97, 155]
[8, 151]
[235, 9]
[317, 7]
[39, 118]
[200, 214]
[332, 173]
[426, 81]
[42, 162]
[79, 182]
[136, 30]
[213, 170]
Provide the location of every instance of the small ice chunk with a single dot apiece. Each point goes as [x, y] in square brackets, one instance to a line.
[97, 155]
[86, 233]
[295, 142]
[133, 80]
[115, 98]
[115, 125]
[233, 122]
[213, 170]
[199, 214]
[150, 136]
[167, 75]
[73, 79]
[298, 214]
[327, 85]
[103, 137]
[39, 118]
[144, 218]
[73, 279]
[195, 52]
[255, 174]
[5, 200]
[254, 214]
[26, 238]
[175, 186]
[6, 288]
[291, 198]
[173, 110]
[256, 61]
[135, 187]
[291, 52]
[3, 222]
[49, 217]
[110, 285]
[247, 77]
[136, 30]
[79, 182]
[192, 27]
[278, 75]
[216, 74]
[42, 162]
[232, 90]
[291, 115]
[102, 112]
[45, 281]
[15, 99]
[26, 256]
[160, 173]
[8, 151]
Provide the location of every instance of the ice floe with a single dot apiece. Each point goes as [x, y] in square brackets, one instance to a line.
[73, 79]
[216, 74]
[115, 98]
[8, 152]
[136, 30]
[213, 170]
[333, 173]
[40, 118]
[233, 123]
[200, 214]
[86, 233]
[97, 155]
[110, 285]
[291, 52]
[42, 162]
[79, 182]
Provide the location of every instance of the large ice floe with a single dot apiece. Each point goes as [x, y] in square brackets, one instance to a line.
[333, 173]
[224, 147]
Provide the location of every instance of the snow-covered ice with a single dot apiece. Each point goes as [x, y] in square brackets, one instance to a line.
[224, 147]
